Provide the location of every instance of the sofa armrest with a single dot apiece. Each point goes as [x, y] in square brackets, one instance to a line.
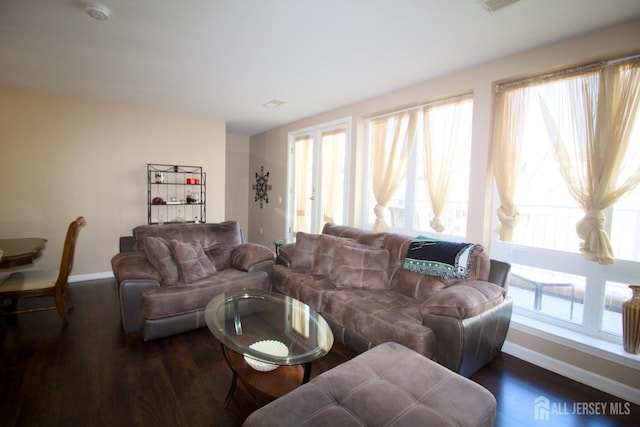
[247, 255]
[266, 266]
[464, 346]
[133, 266]
[130, 294]
[499, 273]
[134, 275]
[464, 299]
[127, 244]
[285, 254]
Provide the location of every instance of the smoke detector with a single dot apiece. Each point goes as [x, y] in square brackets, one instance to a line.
[97, 11]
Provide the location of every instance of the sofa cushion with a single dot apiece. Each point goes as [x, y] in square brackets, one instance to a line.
[217, 239]
[314, 252]
[306, 247]
[308, 288]
[323, 260]
[159, 254]
[360, 268]
[179, 299]
[464, 299]
[192, 261]
[416, 285]
[249, 254]
[380, 317]
[365, 237]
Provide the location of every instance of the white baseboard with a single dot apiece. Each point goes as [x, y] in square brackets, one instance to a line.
[92, 276]
[591, 379]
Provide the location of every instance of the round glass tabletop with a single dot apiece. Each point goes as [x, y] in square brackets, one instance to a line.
[240, 319]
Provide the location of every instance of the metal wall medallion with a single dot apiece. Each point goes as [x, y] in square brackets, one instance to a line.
[262, 187]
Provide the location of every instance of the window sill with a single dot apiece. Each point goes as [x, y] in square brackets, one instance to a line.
[591, 345]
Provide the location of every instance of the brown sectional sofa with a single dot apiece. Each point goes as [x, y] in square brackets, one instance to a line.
[167, 274]
[357, 280]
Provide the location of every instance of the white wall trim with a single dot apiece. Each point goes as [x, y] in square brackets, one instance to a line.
[92, 276]
[569, 338]
[591, 379]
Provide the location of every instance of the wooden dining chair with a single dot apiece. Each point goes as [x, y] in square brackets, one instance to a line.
[34, 283]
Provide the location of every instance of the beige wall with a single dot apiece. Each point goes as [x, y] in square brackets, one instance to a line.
[269, 148]
[62, 157]
[237, 182]
[267, 224]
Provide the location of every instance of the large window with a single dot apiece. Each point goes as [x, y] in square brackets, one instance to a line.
[566, 156]
[419, 169]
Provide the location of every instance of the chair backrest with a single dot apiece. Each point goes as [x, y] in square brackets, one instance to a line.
[66, 264]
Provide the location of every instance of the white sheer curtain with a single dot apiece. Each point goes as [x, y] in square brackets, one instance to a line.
[506, 155]
[333, 147]
[592, 135]
[302, 151]
[392, 140]
[441, 152]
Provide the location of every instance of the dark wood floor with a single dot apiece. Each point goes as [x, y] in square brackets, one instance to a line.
[87, 373]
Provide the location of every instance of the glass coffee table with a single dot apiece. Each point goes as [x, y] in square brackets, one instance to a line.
[269, 340]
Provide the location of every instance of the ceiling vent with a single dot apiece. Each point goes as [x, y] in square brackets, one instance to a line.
[493, 5]
[274, 103]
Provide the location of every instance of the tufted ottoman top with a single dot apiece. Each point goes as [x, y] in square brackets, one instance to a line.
[389, 385]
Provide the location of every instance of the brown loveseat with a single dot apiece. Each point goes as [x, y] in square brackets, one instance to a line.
[167, 274]
[358, 281]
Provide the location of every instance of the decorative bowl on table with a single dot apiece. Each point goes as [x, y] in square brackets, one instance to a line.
[272, 347]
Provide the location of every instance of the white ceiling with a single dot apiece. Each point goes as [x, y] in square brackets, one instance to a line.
[226, 58]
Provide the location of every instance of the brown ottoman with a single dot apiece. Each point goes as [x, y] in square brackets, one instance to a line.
[389, 385]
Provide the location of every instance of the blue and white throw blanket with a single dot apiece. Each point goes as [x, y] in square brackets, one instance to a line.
[439, 258]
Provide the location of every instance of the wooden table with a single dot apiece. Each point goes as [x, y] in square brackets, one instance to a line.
[21, 253]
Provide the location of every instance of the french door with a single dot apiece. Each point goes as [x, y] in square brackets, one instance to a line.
[318, 177]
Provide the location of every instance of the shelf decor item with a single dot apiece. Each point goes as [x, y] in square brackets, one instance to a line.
[631, 322]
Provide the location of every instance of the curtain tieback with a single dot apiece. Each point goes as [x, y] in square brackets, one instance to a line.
[509, 216]
[593, 220]
[436, 224]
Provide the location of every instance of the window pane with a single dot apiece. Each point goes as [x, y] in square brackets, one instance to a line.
[303, 183]
[334, 148]
[555, 294]
[615, 295]
[548, 212]
[449, 127]
[396, 209]
[411, 209]
[625, 225]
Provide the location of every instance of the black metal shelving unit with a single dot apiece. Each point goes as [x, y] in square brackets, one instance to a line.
[176, 194]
